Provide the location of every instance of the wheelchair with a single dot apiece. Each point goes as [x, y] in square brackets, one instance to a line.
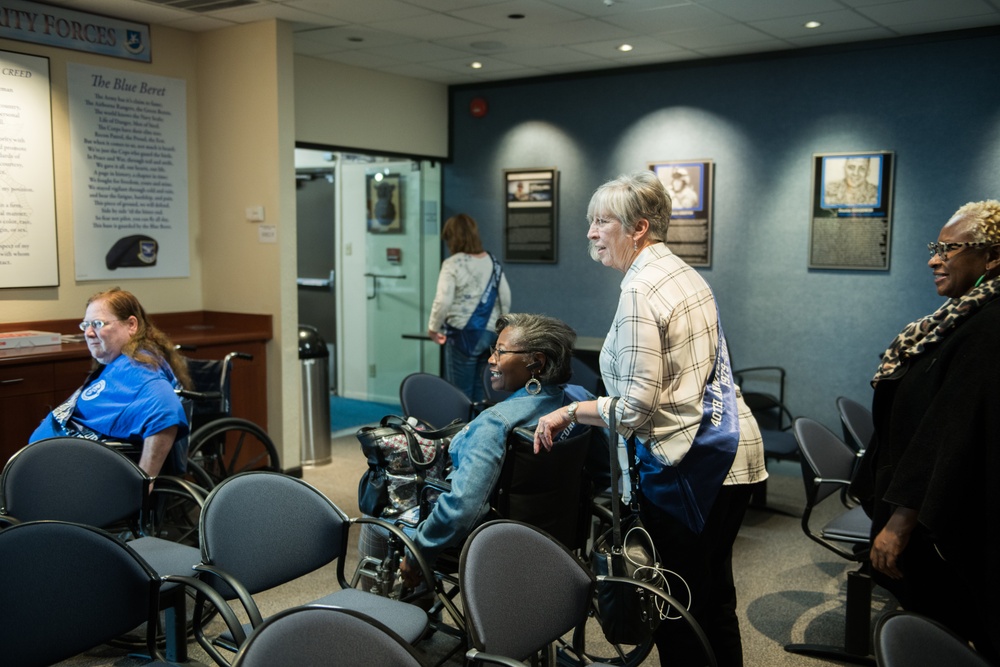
[554, 492]
[219, 446]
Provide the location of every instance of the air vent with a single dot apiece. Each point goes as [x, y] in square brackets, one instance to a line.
[204, 6]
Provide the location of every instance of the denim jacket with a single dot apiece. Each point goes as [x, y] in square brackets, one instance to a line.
[477, 454]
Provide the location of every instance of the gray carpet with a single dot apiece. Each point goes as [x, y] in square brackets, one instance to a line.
[791, 589]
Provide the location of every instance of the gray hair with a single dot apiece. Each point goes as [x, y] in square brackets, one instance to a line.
[633, 197]
[551, 337]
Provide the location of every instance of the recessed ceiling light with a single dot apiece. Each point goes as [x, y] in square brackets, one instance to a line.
[624, 48]
[476, 65]
[812, 24]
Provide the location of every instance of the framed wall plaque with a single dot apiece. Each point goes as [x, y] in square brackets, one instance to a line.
[530, 215]
[851, 222]
[690, 186]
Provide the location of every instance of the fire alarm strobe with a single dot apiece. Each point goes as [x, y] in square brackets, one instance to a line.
[478, 107]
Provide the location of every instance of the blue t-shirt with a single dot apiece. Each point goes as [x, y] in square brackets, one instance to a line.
[128, 401]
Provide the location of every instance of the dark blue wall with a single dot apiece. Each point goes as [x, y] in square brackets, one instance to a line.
[935, 103]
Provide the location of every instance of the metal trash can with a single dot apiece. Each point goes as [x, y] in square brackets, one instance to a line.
[314, 421]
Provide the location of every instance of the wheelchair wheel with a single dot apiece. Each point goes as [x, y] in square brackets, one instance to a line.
[597, 649]
[176, 509]
[227, 446]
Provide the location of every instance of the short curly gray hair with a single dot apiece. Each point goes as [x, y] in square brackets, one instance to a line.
[551, 337]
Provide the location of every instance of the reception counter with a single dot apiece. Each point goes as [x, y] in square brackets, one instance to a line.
[35, 379]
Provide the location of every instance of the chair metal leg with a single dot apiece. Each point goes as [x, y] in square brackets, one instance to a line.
[857, 625]
[175, 626]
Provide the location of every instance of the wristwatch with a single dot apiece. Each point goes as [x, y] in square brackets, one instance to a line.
[571, 411]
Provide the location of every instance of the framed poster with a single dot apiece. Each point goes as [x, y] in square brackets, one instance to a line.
[28, 251]
[851, 210]
[129, 160]
[385, 204]
[530, 220]
[690, 186]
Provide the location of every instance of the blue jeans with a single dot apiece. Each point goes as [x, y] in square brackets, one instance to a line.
[465, 371]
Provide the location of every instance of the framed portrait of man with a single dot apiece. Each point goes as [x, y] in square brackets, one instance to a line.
[851, 220]
[689, 184]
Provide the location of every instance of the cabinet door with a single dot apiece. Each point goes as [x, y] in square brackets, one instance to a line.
[21, 416]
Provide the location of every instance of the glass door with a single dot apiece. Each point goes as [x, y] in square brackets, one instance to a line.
[390, 255]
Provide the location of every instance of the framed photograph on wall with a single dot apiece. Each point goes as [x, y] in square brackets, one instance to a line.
[530, 215]
[690, 185]
[851, 222]
[385, 204]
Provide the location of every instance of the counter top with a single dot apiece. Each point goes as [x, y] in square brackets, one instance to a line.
[194, 328]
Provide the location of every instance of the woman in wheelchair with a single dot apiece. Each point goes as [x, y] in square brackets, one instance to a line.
[532, 360]
[129, 396]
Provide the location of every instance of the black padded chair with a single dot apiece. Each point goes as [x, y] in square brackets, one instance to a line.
[857, 422]
[763, 389]
[906, 639]
[83, 481]
[522, 590]
[70, 587]
[827, 467]
[433, 400]
[319, 635]
[261, 529]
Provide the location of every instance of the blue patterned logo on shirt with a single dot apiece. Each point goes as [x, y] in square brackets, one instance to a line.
[93, 391]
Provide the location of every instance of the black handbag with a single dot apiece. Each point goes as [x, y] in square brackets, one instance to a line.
[401, 457]
[627, 615]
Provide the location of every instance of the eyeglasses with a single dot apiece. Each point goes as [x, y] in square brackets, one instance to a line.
[942, 249]
[600, 222]
[97, 324]
[500, 353]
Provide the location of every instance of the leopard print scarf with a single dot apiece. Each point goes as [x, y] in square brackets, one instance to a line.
[914, 339]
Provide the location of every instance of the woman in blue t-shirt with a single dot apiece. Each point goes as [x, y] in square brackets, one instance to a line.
[130, 394]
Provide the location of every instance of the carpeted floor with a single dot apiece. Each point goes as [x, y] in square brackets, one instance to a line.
[348, 414]
[791, 589]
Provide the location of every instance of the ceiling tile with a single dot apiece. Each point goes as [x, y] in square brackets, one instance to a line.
[432, 26]
[682, 17]
[925, 11]
[762, 10]
[794, 26]
[733, 34]
[361, 11]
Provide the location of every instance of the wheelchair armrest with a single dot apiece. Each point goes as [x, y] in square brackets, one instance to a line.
[208, 593]
[236, 591]
[475, 656]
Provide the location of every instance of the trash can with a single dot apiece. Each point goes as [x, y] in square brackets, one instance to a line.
[314, 421]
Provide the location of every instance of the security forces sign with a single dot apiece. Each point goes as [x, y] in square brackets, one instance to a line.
[69, 29]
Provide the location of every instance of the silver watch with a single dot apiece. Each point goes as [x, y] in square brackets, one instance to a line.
[571, 411]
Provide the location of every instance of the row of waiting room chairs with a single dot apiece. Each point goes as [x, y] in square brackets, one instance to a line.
[521, 591]
[78, 586]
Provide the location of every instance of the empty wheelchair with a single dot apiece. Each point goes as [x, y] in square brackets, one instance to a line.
[219, 445]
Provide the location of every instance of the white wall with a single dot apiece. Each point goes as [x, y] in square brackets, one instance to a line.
[348, 107]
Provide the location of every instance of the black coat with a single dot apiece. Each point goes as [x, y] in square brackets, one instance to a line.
[937, 438]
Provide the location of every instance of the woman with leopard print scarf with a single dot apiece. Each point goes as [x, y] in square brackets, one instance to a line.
[930, 479]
